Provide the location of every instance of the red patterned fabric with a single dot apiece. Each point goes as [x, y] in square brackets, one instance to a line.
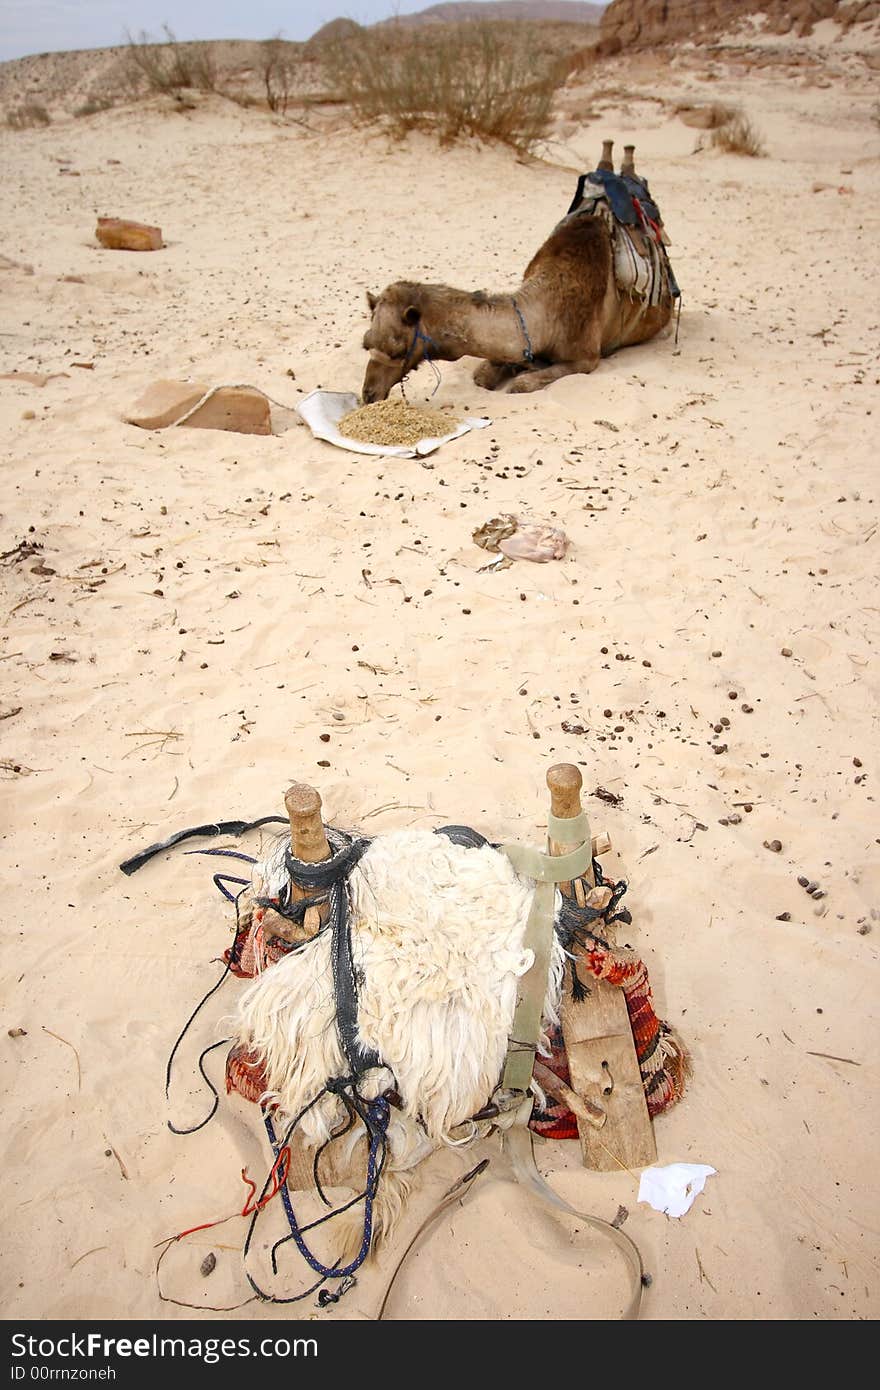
[245, 1074]
[554, 1120]
[250, 953]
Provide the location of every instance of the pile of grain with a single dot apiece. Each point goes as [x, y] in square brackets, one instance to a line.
[395, 422]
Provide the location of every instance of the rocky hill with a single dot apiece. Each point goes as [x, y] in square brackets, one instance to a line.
[559, 11]
[646, 23]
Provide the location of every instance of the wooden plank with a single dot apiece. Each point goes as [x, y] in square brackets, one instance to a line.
[598, 1038]
[603, 1072]
[333, 1170]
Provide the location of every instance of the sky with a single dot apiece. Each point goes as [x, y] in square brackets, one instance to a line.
[49, 26]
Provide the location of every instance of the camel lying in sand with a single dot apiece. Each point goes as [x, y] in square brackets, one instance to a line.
[567, 314]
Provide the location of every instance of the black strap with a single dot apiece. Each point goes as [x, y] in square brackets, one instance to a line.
[225, 827]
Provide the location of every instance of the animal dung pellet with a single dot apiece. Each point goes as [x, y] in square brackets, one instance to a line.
[208, 1264]
[395, 422]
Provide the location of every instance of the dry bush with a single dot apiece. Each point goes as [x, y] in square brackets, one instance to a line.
[709, 117]
[278, 69]
[168, 66]
[737, 135]
[27, 116]
[93, 106]
[476, 78]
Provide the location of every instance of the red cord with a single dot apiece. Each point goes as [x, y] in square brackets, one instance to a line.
[278, 1175]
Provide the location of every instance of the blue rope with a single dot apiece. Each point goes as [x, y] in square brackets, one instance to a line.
[527, 354]
[420, 337]
[376, 1119]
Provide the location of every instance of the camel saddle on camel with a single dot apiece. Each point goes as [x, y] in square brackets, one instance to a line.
[641, 262]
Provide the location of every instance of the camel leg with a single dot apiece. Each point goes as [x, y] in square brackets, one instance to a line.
[491, 375]
[542, 376]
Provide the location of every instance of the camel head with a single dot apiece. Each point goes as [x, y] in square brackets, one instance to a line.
[394, 339]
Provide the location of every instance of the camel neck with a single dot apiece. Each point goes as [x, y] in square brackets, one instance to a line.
[496, 327]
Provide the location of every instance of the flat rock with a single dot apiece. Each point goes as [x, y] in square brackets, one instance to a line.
[117, 234]
[31, 378]
[242, 409]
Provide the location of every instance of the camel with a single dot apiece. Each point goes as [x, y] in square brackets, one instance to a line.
[568, 313]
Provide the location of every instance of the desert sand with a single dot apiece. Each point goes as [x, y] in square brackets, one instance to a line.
[192, 611]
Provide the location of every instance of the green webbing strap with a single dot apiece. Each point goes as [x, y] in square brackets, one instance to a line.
[547, 870]
[526, 1026]
[571, 830]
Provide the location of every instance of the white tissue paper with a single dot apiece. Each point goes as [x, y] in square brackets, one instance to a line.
[672, 1189]
[322, 411]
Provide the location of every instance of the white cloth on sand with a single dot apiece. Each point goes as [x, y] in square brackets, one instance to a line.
[672, 1189]
[322, 411]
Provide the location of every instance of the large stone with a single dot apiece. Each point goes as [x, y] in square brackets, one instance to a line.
[242, 409]
[117, 234]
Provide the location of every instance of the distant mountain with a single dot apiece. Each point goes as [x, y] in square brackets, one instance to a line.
[565, 11]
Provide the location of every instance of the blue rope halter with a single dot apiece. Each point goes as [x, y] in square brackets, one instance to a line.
[420, 337]
[528, 355]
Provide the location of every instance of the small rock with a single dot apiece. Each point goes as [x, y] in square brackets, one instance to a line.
[783, 917]
[774, 845]
[208, 1264]
[864, 928]
[117, 234]
[719, 747]
[22, 1032]
[786, 651]
[241, 409]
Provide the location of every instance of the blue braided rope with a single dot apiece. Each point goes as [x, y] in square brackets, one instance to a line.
[420, 337]
[377, 1117]
[527, 353]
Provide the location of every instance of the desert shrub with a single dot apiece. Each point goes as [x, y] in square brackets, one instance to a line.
[455, 80]
[241, 98]
[168, 66]
[93, 106]
[707, 117]
[278, 70]
[737, 135]
[27, 116]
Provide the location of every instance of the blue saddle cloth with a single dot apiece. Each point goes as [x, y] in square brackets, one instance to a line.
[619, 189]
